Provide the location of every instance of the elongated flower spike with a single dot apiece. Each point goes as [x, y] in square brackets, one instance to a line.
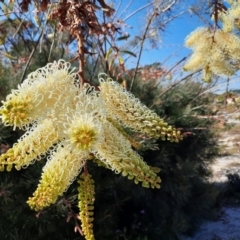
[86, 197]
[31, 146]
[117, 154]
[230, 17]
[37, 94]
[123, 107]
[60, 171]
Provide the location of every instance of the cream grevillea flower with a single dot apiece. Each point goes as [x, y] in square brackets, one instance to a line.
[60, 171]
[116, 152]
[38, 93]
[31, 146]
[74, 123]
[130, 112]
[230, 17]
[215, 51]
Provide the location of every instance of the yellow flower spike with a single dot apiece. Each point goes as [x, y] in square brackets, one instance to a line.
[116, 152]
[41, 91]
[1, 168]
[123, 107]
[230, 18]
[59, 172]
[215, 51]
[31, 145]
[86, 200]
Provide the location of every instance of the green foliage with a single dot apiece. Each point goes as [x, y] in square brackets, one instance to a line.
[18, 221]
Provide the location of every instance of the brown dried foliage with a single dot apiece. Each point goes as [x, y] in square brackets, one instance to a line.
[24, 5]
[79, 18]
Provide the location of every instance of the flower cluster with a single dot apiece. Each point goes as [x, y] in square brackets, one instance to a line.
[214, 51]
[86, 201]
[230, 17]
[70, 123]
[217, 52]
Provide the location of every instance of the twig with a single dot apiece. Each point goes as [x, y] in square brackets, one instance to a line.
[183, 59]
[116, 10]
[30, 57]
[126, 8]
[176, 83]
[51, 48]
[94, 69]
[173, 17]
[138, 10]
[5, 48]
[141, 48]
[169, 6]
[20, 25]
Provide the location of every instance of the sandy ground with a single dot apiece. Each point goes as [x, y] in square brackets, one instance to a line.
[223, 166]
[227, 227]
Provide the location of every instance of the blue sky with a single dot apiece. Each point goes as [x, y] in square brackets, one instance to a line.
[171, 47]
[172, 39]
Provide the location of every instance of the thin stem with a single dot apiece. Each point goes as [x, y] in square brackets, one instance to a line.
[169, 71]
[126, 8]
[227, 87]
[81, 56]
[141, 48]
[117, 9]
[138, 10]
[94, 69]
[30, 57]
[51, 48]
[176, 83]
